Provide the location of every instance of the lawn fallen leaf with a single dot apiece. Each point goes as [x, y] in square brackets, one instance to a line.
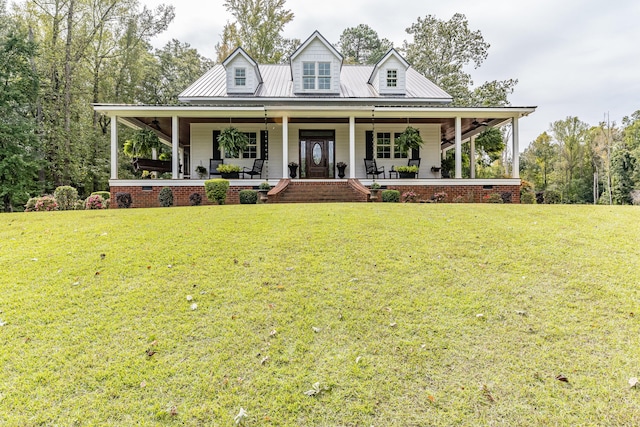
[562, 378]
[189, 297]
[239, 418]
[143, 384]
[150, 352]
[194, 306]
[633, 382]
[264, 360]
[315, 390]
[393, 325]
[173, 411]
[273, 332]
[487, 393]
[316, 330]
[431, 398]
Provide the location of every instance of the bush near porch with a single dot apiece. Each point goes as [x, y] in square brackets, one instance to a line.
[405, 314]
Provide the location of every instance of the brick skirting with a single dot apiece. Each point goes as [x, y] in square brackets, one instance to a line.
[147, 196]
[460, 193]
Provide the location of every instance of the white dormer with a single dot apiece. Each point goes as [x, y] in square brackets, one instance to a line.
[389, 76]
[315, 67]
[243, 73]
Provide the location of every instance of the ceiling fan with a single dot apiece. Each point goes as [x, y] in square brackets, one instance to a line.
[156, 124]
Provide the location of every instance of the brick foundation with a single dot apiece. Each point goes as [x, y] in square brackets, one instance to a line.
[460, 193]
[148, 198]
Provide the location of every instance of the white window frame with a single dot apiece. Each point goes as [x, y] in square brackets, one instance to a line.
[309, 79]
[240, 77]
[392, 78]
[324, 80]
[316, 76]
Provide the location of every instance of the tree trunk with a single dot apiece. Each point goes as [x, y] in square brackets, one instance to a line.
[67, 94]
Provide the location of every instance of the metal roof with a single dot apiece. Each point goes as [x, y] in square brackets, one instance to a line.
[277, 84]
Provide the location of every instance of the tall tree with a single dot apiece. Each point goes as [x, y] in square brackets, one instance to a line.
[18, 93]
[257, 29]
[442, 49]
[362, 45]
[570, 135]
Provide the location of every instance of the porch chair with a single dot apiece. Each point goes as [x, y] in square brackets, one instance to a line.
[213, 167]
[414, 162]
[371, 168]
[255, 170]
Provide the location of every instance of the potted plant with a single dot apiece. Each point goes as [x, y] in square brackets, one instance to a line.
[293, 169]
[201, 171]
[263, 189]
[229, 171]
[232, 142]
[407, 171]
[410, 139]
[374, 188]
[341, 167]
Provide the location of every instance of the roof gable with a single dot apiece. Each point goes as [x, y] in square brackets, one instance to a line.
[247, 57]
[316, 36]
[392, 53]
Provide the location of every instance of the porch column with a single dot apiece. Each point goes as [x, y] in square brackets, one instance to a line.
[175, 142]
[285, 146]
[458, 147]
[472, 157]
[114, 147]
[515, 149]
[352, 147]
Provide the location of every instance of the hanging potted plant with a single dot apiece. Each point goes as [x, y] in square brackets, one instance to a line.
[410, 139]
[232, 142]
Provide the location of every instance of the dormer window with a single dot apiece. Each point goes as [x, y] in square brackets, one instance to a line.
[323, 77]
[392, 78]
[241, 77]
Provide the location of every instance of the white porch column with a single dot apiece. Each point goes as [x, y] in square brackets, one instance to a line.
[352, 147]
[472, 157]
[175, 143]
[515, 153]
[285, 147]
[458, 147]
[114, 147]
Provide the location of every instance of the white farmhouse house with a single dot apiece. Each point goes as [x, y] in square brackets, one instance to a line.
[318, 113]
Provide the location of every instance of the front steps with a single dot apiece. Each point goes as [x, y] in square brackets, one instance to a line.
[318, 191]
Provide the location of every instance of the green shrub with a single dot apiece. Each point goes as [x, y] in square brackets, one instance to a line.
[216, 190]
[264, 186]
[66, 196]
[551, 197]
[79, 206]
[104, 194]
[42, 204]
[407, 169]
[123, 200]
[95, 201]
[528, 198]
[165, 197]
[375, 186]
[493, 198]
[31, 204]
[392, 196]
[228, 168]
[248, 197]
[195, 199]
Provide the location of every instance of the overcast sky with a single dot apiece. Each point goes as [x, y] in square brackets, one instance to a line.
[571, 57]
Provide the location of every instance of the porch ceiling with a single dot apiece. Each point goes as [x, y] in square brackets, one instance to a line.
[470, 125]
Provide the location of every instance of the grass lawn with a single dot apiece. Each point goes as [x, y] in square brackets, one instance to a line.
[406, 315]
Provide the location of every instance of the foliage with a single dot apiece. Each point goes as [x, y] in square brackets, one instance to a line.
[375, 185]
[232, 142]
[264, 186]
[409, 139]
[104, 194]
[195, 199]
[528, 198]
[166, 197]
[45, 203]
[216, 190]
[248, 197]
[18, 93]
[142, 144]
[66, 196]
[407, 169]
[490, 145]
[409, 197]
[95, 201]
[228, 168]
[341, 165]
[257, 28]
[506, 196]
[80, 205]
[384, 321]
[441, 50]
[493, 198]
[391, 196]
[439, 197]
[622, 167]
[124, 200]
[201, 171]
[552, 197]
[362, 45]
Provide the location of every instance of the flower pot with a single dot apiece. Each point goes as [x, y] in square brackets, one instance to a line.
[374, 194]
[230, 175]
[407, 174]
[262, 194]
[341, 171]
[293, 171]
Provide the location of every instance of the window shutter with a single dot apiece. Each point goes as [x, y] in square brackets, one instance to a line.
[369, 145]
[217, 155]
[415, 153]
[264, 139]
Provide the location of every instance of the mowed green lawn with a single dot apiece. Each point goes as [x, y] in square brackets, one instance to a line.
[406, 315]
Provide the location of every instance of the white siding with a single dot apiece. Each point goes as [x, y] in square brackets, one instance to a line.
[240, 61]
[392, 63]
[316, 52]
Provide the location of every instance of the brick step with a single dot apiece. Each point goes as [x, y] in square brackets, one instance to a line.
[319, 192]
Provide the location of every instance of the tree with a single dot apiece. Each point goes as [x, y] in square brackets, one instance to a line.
[362, 45]
[18, 93]
[442, 49]
[569, 135]
[540, 157]
[622, 168]
[257, 29]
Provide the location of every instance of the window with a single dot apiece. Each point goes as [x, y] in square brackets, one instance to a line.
[324, 75]
[251, 152]
[392, 78]
[383, 145]
[308, 75]
[241, 77]
[396, 153]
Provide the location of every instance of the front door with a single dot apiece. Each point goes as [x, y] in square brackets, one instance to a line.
[317, 158]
